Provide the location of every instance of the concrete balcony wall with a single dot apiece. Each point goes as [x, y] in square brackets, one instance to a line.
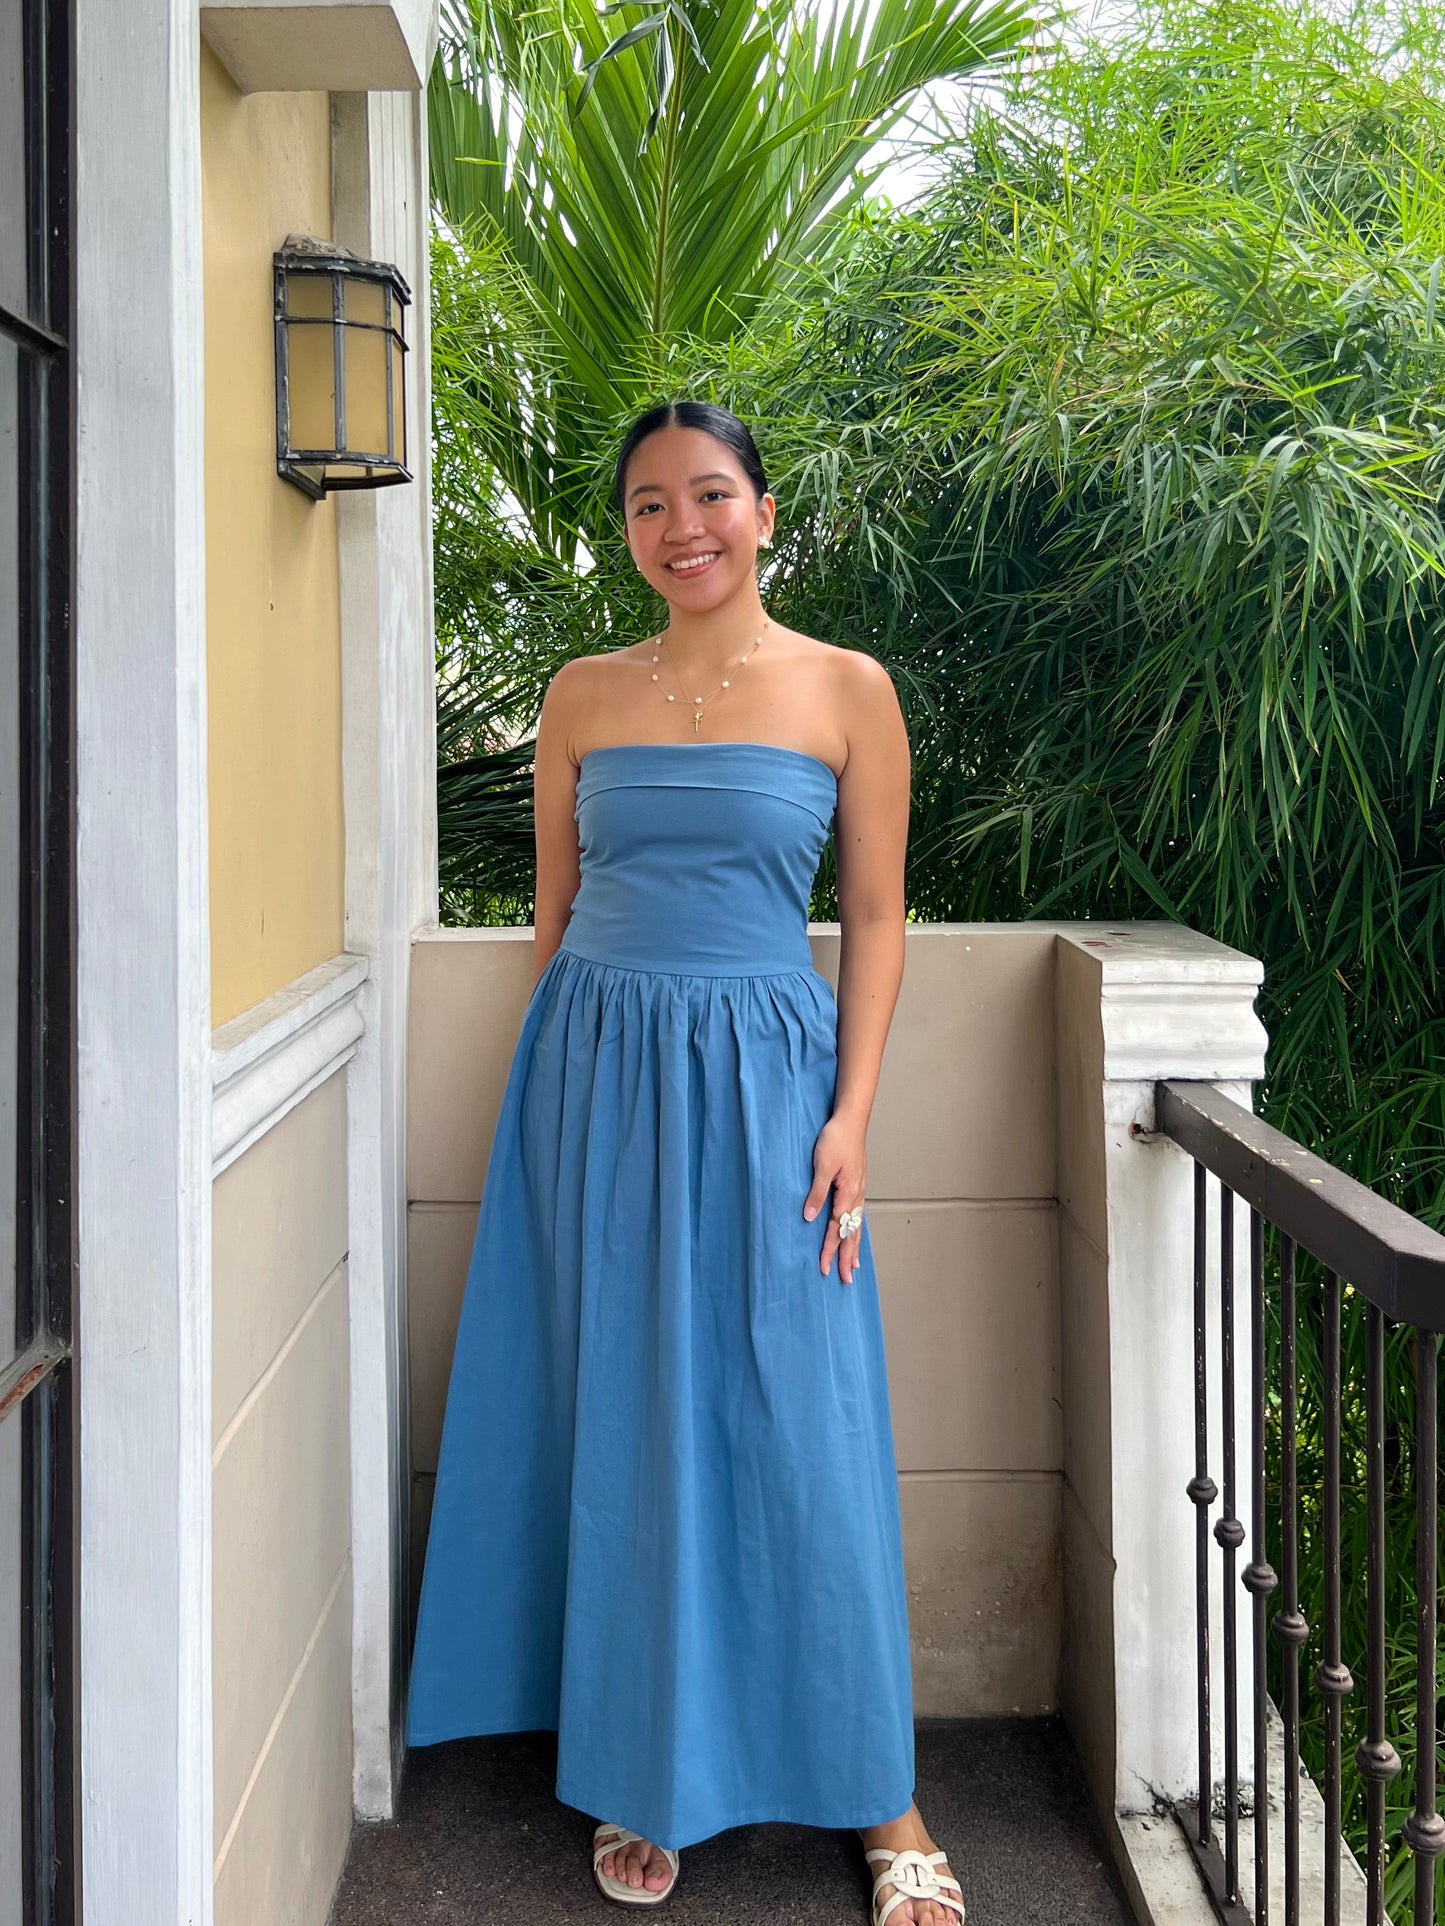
[961, 1185]
[468, 991]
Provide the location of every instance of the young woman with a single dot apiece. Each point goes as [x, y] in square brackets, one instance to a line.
[666, 1515]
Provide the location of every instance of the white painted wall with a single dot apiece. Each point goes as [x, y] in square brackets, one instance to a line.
[144, 1122]
[389, 758]
[1137, 1004]
[1151, 1217]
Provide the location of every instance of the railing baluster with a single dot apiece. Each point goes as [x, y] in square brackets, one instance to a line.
[1396, 1264]
[1332, 1676]
[1202, 1491]
[1425, 1829]
[1230, 1534]
[1376, 1758]
[1289, 1626]
[1258, 1575]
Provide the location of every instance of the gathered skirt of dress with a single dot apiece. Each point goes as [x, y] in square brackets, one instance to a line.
[666, 1520]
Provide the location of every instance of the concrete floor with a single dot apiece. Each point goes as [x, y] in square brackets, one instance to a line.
[482, 1837]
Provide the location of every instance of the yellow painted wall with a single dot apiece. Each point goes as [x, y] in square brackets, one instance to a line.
[273, 619]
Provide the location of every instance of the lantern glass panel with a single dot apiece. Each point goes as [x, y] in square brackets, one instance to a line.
[398, 390]
[366, 391]
[311, 387]
[366, 301]
[309, 295]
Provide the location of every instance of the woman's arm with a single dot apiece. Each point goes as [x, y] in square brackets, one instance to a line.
[554, 786]
[870, 834]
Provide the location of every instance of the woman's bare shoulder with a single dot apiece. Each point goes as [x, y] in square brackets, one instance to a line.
[852, 672]
[584, 677]
[585, 687]
[583, 672]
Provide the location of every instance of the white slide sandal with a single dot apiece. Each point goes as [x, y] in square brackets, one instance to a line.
[916, 1876]
[618, 1889]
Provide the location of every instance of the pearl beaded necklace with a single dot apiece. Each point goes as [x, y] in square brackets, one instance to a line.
[701, 702]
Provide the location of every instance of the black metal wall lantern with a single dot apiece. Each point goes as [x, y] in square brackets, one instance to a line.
[340, 393]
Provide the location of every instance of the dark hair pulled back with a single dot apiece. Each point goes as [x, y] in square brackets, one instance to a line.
[717, 422]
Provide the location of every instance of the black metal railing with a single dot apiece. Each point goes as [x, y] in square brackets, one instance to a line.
[1301, 1206]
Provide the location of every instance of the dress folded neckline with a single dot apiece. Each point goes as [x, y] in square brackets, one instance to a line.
[692, 748]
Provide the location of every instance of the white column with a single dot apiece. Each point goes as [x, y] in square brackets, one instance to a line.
[389, 752]
[1138, 1004]
[144, 1365]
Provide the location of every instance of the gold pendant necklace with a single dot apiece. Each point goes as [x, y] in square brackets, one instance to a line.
[701, 702]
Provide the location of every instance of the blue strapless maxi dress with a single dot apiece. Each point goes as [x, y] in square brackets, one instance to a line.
[666, 1518]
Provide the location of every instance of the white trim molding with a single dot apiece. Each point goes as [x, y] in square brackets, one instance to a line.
[341, 46]
[389, 774]
[265, 1061]
[143, 970]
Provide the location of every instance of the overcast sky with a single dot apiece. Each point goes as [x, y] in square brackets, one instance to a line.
[909, 176]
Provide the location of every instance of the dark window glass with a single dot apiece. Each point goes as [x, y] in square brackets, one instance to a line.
[9, 846]
[39, 1874]
[13, 224]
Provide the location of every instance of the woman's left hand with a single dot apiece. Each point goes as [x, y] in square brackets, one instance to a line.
[840, 1165]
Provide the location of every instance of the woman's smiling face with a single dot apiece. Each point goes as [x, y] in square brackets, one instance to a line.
[693, 521]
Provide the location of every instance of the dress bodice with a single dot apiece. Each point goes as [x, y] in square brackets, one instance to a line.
[698, 858]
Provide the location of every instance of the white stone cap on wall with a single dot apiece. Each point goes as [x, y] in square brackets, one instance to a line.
[1174, 1003]
[310, 46]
